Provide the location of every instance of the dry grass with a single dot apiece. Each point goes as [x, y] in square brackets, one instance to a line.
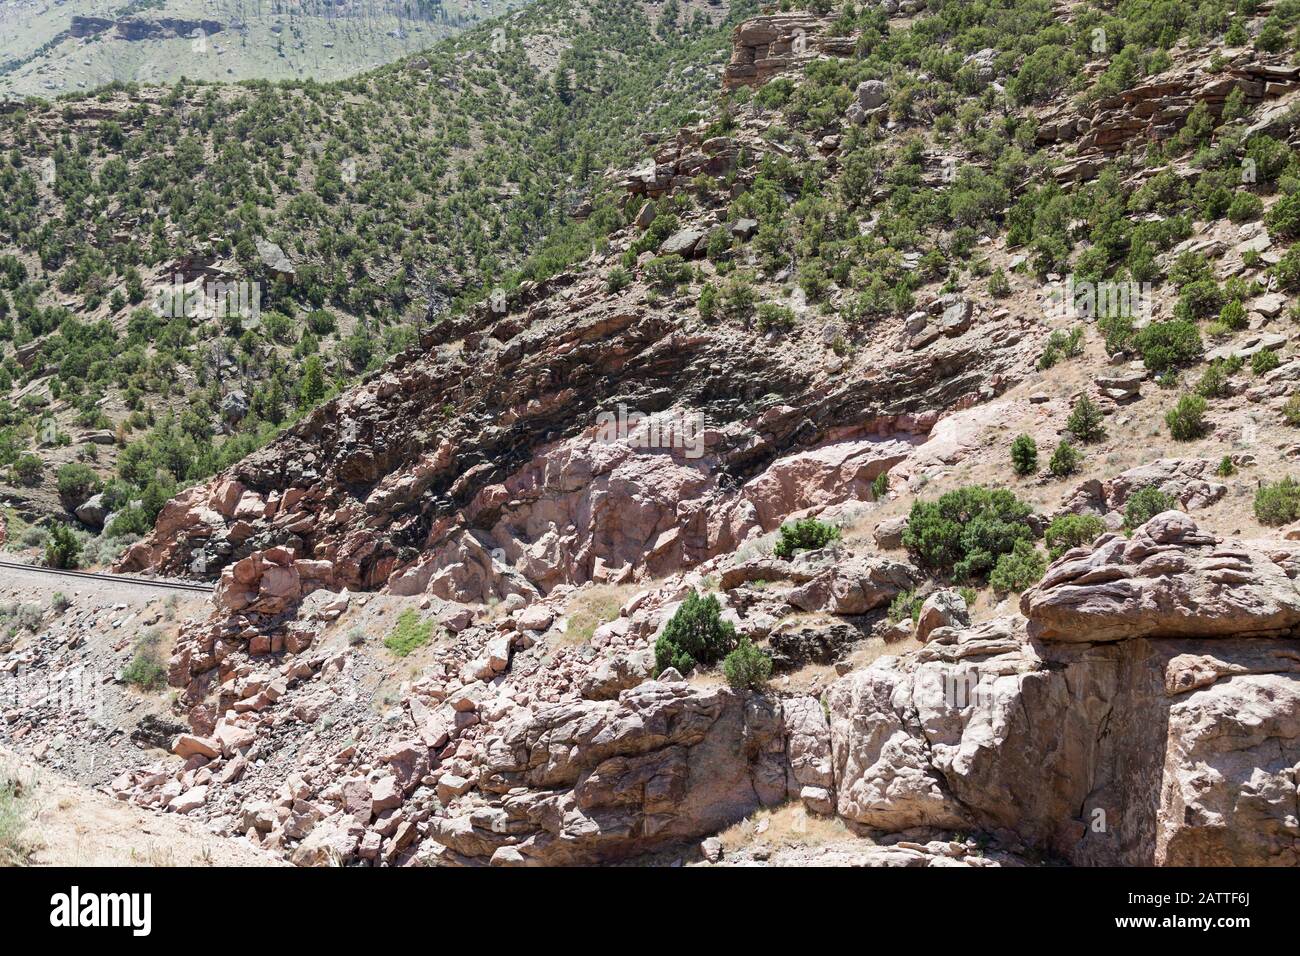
[789, 825]
[871, 649]
[593, 606]
[16, 845]
[49, 820]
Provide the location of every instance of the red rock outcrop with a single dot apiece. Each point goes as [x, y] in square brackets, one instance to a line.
[521, 489]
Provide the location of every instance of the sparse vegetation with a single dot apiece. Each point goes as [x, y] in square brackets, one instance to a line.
[1072, 531]
[410, 632]
[966, 531]
[145, 670]
[747, 667]
[590, 608]
[807, 534]
[1144, 504]
[16, 845]
[696, 635]
[906, 605]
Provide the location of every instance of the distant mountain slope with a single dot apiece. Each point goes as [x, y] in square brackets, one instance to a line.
[348, 209]
[48, 48]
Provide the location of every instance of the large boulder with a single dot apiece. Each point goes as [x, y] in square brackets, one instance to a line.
[587, 781]
[92, 511]
[946, 608]
[1169, 579]
[854, 585]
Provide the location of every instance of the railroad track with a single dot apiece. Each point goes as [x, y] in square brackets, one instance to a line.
[111, 578]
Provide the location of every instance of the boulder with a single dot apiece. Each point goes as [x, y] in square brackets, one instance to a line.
[1169, 578]
[188, 745]
[92, 511]
[946, 608]
[854, 585]
[682, 243]
[889, 533]
[234, 406]
[332, 842]
[1143, 751]
[604, 780]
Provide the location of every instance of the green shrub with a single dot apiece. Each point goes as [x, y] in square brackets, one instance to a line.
[737, 300]
[409, 633]
[1118, 333]
[1283, 219]
[1168, 345]
[1085, 421]
[63, 550]
[708, 302]
[1265, 360]
[1186, 420]
[1072, 531]
[1278, 503]
[1144, 504]
[1287, 270]
[999, 287]
[77, 482]
[1065, 460]
[28, 469]
[129, 521]
[145, 670]
[772, 316]
[965, 531]
[1291, 411]
[1214, 380]
[145, 673]
[1198, 300]
[807, 534]
[618, 280]
[1020, 569]
[665, 273]
[747, 667]
[880, 485]
[1024, 455]
[906, 604]
[1245, 207]
[1226, 467]
[697, 634]
[1061, 345]
[1233, 315]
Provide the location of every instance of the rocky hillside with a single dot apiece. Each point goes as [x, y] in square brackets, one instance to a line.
[905, 481]
[186, 270]
[51, 49]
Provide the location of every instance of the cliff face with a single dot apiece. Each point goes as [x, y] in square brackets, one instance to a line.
[476, 466]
